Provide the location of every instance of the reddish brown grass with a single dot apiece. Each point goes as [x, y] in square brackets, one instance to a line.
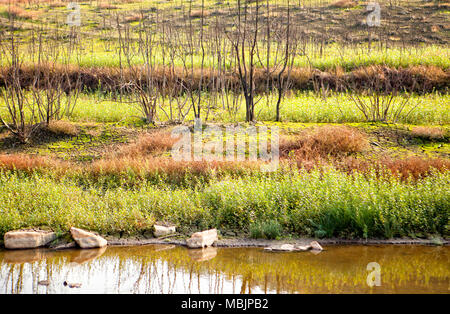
[343, 4]
[18, 12]
[199, 13]
[174, 171]
[430, 133]
[63, 127]
[408, 168]
[156, 142]
[106, 6]
[324, 141]
[419, 79]
[29, 163]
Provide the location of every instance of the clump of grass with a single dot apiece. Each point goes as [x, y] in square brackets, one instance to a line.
[57, 4]
[30, 165]
[63, 128]
[325, 141]
[199, 13]
[20, 13]
[428, 133]
[266, 230]
[410, 168]
[344, 4]
[149, 144]
[133, 18]
[106, 6]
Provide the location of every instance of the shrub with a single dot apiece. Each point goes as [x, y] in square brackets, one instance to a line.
[267, 230]
[325, 141]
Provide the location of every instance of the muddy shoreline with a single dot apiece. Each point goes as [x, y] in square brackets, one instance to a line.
[240, 242]
[247, 242]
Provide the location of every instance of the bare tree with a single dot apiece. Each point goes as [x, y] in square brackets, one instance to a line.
[244, 39]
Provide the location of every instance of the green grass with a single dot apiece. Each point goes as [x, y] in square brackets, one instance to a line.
[330, 204]
[96, 54]
[305, 107]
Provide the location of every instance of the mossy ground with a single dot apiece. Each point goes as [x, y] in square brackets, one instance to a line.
[96, 140]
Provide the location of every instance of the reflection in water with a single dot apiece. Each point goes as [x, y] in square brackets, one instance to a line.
[169, 269]
[200, 255]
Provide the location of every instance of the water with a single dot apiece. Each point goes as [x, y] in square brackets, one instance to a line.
[170, 269]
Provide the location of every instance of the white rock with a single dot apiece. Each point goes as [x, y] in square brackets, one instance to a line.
[202, 239]
[87, 240]
[161, 231]
[28, 239]
[316, 246]
[303, 248]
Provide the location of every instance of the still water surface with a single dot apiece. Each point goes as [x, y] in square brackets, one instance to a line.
[170, 269]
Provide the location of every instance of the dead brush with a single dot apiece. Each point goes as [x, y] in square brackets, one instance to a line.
[29, 163]
[106, 6]
[57, 4]
[414, 168]
[145, 168]
[344, 4]
[20, 13]
[428, 133]
[134, 18]
[335, 141]
[63, 128]
[195, 14]
[154, 143]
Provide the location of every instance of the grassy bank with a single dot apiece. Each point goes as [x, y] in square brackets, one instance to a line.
[303, 107]
[321, 204]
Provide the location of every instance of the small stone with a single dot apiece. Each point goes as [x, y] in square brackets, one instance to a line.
[161, 231]
[303, 248]
[202, 239]
[87, 240]
[281, 248]
[28, 239]
[44, 283]
[72, 285]
[316, 246]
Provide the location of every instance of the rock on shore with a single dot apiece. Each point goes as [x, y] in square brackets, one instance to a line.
[87, 240]
[161, 231]
[313, 246]
[28, 239]
[202, 239]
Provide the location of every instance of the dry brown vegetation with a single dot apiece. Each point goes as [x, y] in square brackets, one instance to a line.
[18, 12]
[407, 168]
[166, 168]
[335, 141]
[415, 79]
[62, 128]
[429, 133]
[199, 13]
[149, 144]
[106, 6]
[343, 4]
